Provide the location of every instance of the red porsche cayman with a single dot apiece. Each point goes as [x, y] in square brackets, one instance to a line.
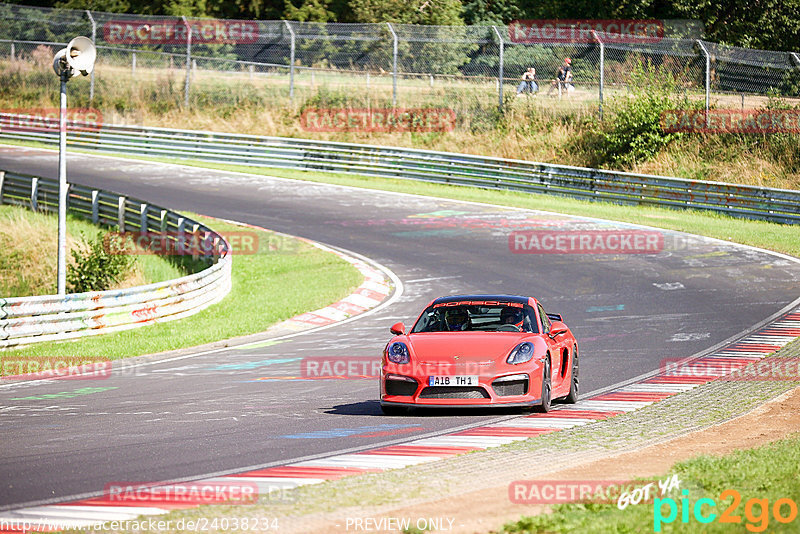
[480, 350]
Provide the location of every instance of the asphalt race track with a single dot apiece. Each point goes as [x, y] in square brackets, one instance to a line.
[226, 410]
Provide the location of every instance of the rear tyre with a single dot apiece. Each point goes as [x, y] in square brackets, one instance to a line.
[547, 389]
[388, 409]
[572, 397]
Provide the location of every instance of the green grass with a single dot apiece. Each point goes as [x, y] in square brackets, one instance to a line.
[268, 287]
[28, 259]
[770, 472]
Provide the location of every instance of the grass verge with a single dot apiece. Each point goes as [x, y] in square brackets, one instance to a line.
[285, 277]
[28, 251]
[760, 476]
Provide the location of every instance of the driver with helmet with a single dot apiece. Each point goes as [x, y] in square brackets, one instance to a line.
[457, 319]
[509, 315]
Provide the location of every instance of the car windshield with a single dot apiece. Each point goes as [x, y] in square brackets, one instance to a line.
[503, 317]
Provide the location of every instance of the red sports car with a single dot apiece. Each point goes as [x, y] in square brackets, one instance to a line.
[480, 350]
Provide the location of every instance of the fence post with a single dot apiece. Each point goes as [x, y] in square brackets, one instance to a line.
[133, 64]
[708, 75]
[2, 179]
[13, 54]
[602, 72]
[94, 36]
[394, 65]
[291, 59]
[500, 71]
[188, 62]
[796, 59]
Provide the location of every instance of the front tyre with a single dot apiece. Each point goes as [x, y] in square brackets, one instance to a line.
[572, 397]
[547, 388]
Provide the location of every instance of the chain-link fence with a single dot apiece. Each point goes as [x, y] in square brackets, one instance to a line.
[193, 61]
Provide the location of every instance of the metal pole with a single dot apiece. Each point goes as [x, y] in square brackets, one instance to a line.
[62, 189]
[602, 72]
[188, 62]
[796, 59]
[291, 59]
[94, 36]
[708, 74]
[500, 71]
[394, 65]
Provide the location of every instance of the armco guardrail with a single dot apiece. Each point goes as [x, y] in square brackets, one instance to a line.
[26, 320]
[777, 205]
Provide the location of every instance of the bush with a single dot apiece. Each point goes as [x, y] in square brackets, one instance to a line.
[635, 133]
[94, 268]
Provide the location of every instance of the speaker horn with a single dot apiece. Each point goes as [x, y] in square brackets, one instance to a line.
[81, 55]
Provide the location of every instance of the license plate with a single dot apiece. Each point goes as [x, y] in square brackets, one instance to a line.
[457, 380]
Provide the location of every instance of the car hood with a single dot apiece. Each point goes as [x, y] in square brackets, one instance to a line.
[475, 347]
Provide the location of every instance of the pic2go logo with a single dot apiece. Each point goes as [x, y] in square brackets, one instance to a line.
[756, 511]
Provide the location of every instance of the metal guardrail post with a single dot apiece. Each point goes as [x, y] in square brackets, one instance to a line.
[708, 75]
[121, 213]
[188, 62]
[35, 194]
[143, 218]
[95, 206]
[291, 58]
[94, 36]
[500, 70]
[394, 65]
[181, 237]
[602, 72]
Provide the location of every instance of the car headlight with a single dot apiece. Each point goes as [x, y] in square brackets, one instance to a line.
[522, 353]
[398, 353]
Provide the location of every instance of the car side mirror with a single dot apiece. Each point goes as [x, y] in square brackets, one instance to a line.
[556, 329]
[398, 329]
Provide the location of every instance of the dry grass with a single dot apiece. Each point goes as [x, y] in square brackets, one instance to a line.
[28, 252]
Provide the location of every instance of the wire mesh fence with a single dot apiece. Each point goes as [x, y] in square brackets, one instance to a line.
[195, 60]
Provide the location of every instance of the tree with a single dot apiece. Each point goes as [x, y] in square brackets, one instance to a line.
[437, 12]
